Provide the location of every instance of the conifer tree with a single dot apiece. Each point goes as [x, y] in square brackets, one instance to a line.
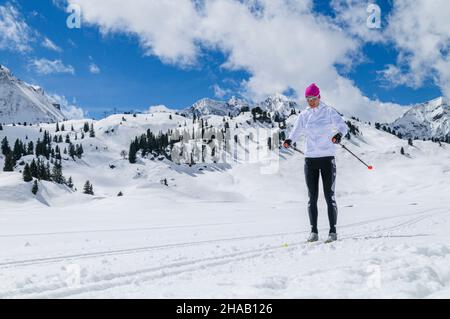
[91, 131]
[27, 174]
[70, 182]
[88, 189]
[35, 188]
[57, 175]
[34, 169]
[5, 146]
[9, 163]
[132, 153]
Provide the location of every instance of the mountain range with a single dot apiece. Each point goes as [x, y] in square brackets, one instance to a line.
[22, 102]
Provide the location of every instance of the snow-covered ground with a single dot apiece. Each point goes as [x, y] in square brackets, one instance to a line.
[226, 231]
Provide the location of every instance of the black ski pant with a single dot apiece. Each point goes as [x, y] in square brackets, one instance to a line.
[325, 167]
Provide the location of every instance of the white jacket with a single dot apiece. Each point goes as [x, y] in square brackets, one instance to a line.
[319, 125]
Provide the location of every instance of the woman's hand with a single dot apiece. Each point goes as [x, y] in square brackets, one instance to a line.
[287, 143]
[337, 138]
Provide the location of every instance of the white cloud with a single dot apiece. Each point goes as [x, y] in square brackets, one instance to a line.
[94, 69]
[45, 66]
[15, 34]
[70, 111]
[282, 43]
[166, 29]
[393, 76]
[49, 44]
[420, 30]
[220, 92]
[352, 16]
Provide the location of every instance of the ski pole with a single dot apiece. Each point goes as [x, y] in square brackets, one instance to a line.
[368, 166]
[297, 150]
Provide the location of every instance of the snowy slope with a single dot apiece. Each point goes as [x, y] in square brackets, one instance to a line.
[427, 120]
[21, 102]
[231, 230]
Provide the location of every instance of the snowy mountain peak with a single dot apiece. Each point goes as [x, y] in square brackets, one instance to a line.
[22, 102]
[279, 104]
[4, 71]
[278, 97]
[426, 120]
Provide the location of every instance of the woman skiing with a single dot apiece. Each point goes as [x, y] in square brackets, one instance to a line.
[323, 127]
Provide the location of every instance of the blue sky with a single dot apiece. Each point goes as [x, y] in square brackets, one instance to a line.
[130, 80]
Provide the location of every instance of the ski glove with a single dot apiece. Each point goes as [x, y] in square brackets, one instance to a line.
[287, 143]
[337, 138]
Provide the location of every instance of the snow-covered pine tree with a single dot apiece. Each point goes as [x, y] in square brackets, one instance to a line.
[5, 146]
[27, 174]
[57, 174]
[35, 188]
[30, 148]
[9, 163]
[33, 169]
[88, 189]
[79, 150]
[133, 151]
[72, 151]
[70, 182]
[91, 131]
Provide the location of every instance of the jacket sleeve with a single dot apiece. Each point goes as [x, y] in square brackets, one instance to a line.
[339, 122]
[298, 128]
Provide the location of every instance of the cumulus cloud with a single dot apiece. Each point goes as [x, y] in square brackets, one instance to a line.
[393, 76]
[45, 66]
[282, 44]
[420, 30]
[352, 16]
[15, 34]
[70, 111]
[166, 29]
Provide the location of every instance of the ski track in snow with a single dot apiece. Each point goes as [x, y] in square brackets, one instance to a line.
[18, 263]
[115, 280]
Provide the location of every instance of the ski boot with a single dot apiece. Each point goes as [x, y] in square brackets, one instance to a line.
[332, 237]
[313, 237]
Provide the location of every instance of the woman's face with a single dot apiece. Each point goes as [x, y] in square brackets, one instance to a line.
[313, 101]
